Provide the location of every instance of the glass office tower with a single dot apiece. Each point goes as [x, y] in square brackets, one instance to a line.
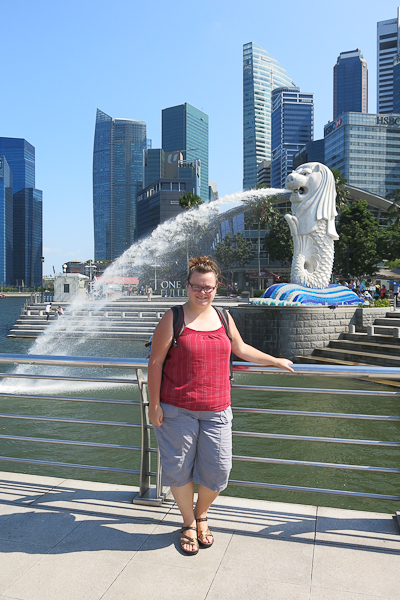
[261, 74]
[350, 83]
[366, 150]
[27, 212]
[292, 125]
[387, 49]
[185, 129]
[6, 223]
[119, 145]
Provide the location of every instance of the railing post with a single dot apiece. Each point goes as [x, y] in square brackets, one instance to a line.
[147, 494]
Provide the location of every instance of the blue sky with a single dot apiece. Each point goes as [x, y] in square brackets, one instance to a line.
[62, 60]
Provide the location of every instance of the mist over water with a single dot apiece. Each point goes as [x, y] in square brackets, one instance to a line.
[192, 231]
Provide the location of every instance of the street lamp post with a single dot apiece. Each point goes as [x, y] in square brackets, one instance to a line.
[155, 272]
[42, 261]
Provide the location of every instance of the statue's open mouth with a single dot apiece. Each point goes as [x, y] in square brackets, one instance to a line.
[300, 191]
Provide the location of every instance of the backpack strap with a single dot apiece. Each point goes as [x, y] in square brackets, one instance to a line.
[178, 323]
[223, 315]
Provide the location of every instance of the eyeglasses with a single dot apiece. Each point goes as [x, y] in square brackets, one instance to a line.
[198, 288]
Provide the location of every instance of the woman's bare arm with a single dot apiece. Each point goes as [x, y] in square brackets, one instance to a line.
[161, 343]
[251, 354]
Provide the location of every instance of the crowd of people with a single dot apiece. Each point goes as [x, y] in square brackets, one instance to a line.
[368, 290]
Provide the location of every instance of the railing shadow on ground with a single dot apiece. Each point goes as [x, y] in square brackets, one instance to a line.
[91, 520]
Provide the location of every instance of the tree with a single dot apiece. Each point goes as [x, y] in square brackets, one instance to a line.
[232, 252]
[358, 251]
[189, 200]
[278, 241]
[263, 213]
[342, 195]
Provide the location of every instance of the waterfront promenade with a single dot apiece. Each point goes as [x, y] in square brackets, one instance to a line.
[63, 539]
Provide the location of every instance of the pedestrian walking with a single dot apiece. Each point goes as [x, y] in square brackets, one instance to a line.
[396, 290]
[149, 293]
[47, 311]
[189, 399]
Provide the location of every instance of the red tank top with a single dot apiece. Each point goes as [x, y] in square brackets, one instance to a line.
[196, 374]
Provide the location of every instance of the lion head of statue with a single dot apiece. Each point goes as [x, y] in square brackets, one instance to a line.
[313, 197]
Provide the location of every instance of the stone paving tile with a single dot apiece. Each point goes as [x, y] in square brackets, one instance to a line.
[8, 510]
[357, 571]
[99, 497]
[163, 548]
[352, 528]
[275, 519]
[15, 559]
[141, 580]
[19, 487]
[106, 535]
[325, 594]
[70, 576]
[39, 527]
[271, 559]
[226, 586]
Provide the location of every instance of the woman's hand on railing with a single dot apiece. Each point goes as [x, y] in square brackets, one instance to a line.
[156, 415]
[284, 363]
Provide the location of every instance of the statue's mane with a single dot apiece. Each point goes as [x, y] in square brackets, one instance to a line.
[320, 205]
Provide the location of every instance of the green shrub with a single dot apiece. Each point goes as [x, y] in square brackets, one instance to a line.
[258, 293]
[382, 302]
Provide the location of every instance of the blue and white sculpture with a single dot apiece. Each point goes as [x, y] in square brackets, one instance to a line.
[312, 226]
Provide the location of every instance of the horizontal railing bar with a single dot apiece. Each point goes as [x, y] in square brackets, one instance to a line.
[306, 413]
[281, 436]
[62, 420]
[61, 378]
[275, 388]
[74, 361]
[68, 399]
[295, 488]
[305, 463]
[242, 367]
[32, 461]
[66, 442]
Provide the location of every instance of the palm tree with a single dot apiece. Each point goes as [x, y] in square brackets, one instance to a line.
[187, 202]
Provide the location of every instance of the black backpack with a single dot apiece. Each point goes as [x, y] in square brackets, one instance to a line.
[178, 325]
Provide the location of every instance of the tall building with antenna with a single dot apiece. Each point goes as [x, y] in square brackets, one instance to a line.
[261, 74]
[119, 145]
[185, 129]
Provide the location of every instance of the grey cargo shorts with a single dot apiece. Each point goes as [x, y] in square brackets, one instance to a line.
[195, 446]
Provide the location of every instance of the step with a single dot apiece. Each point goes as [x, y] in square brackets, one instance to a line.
[383, 360]
[388, 321]
[368, 347]
[322, 360]
[380, 339]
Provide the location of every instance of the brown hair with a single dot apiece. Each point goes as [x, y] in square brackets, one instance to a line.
[203, 264]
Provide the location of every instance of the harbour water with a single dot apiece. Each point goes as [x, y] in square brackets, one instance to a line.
[378, 483]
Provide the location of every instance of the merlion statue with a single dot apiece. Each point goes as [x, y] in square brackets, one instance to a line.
[312, 224]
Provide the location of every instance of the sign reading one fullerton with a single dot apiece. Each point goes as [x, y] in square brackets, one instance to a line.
[388, 121]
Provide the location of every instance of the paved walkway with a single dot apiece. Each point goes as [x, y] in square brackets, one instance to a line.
[62, 539]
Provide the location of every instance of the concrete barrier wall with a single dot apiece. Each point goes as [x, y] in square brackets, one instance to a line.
[296, 331]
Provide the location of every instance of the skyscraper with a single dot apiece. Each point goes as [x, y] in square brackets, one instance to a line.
[27, 212]
[350, 83]
[6, 223]
[185, 129]
[292, 125]
[117, 178]
[387, 49]
[261, 74]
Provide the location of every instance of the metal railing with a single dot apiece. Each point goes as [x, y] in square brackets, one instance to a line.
[154, 493]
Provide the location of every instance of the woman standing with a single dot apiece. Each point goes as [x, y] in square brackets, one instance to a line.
[189, 401]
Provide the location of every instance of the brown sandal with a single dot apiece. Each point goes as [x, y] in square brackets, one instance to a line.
[204, 534]
[185, 539]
